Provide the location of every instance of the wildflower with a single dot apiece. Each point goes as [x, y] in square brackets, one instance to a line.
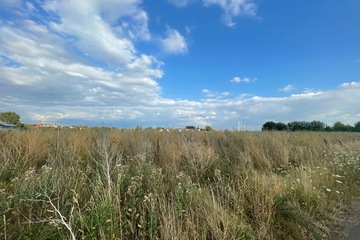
[218, 173]
[337, 176]
[180, 175]
[46, 168]
[337, 191]
[328, 189]
[338, 181]
[54, 223]
[14, 179]
[30, 172]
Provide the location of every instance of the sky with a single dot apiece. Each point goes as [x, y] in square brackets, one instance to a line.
[176, 63]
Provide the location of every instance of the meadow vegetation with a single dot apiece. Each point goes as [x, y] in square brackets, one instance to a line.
[114, 184]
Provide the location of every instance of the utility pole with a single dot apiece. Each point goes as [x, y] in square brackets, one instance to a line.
[241, 126]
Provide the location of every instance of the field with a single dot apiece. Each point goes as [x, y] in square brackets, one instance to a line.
[144, 184]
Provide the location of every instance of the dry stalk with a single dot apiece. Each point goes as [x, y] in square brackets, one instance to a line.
[4, 227]
[62, 220]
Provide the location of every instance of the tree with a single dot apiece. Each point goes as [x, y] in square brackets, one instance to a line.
[357, 127]
[340, 127]
[328, 129]
[306, 126]
[299, 126]
[317, 126]
[11, 117]
[208, 128]
[268, 126]
[281, 126]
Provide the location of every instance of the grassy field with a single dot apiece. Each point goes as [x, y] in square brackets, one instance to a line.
[145, 184]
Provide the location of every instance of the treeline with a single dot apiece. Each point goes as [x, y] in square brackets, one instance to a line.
[310, 126]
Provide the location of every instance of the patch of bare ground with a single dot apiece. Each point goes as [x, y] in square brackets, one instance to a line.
[346, 223]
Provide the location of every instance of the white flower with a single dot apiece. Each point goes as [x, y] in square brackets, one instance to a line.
[328, 189]
[338, 176]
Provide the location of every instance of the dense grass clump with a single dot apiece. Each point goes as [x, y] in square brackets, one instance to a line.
[145, 184]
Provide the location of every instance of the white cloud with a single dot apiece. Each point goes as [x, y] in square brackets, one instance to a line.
[306, 94]
[326, 106]
[174, 42]
[215, 109]
[351, 85]
[76, 74]
[81, 21]
[180, 3]
[210, 94]
[54, 58]
[244, 79]
[231, 8]
[287, 88]
[234, 8]
[50, 71]
[206, 91]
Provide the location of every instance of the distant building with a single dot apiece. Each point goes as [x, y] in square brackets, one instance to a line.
[7, 126]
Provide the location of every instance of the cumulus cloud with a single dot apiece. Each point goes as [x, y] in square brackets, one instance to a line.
[244, 79]
[80, 65]
[234, 8]
[287, 88]
[327, 106]
[351, 85]
[76, 56]
[174, 42]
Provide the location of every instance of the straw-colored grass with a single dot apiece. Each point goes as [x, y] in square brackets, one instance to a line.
[145, 184]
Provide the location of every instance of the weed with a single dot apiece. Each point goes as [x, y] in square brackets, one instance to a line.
[144, 184]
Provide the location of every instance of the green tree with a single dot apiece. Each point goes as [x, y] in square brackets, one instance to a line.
[340, 127]
[328, 129]
[208, 128]
[11, 117]
[317, 126]
[281, 126]
[299, 126]
[357, 127]
[268, 126]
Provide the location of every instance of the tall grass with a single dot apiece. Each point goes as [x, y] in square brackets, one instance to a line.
[117, 184]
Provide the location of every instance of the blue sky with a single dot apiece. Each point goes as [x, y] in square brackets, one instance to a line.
[126, 63]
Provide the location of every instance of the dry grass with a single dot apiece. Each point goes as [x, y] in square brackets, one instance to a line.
[113, 184]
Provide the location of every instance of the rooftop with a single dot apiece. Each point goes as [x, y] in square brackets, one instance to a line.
[4, 124]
